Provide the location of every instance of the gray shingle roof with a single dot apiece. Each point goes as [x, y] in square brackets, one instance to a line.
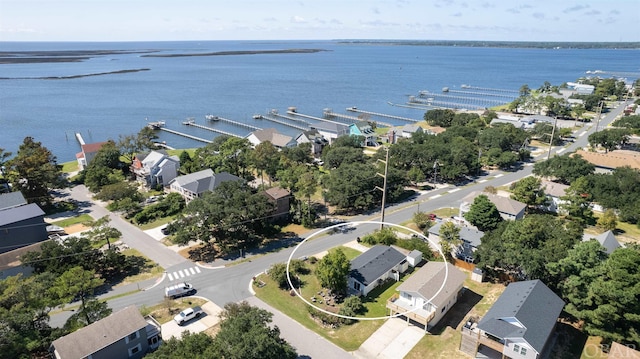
[533, 305]
[503, 204]
[467, 234]
[428, 280]
[372, 264]
[11, 199]
[20, 213]
[205, 180]
[100, 334]
[607, 240]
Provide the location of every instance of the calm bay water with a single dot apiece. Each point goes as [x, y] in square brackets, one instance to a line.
[238, 86]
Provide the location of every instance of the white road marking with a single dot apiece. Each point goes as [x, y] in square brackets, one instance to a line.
[436, 196]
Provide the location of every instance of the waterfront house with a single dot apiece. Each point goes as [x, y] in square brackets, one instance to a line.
[21, 224]
[518, 325]
[470, 238]
[87, 153]
[373, 267]
[428, 294]
[607, 240]
[509, 209]
[124, 334]
[364, 129]
[317, 141]
[195, 184]
[330, 130]
[409, 129]
[155, 168]
[277, 139]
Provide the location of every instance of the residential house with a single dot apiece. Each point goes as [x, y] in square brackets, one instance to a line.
[409, 129]
[581, 89]
[427, 295]
[518, 325]
[330, 130]
[21, 224]
[123, 334]
[87, 153]
[280, 197]
[195, 184]
[373, 267]
[277, 139]
[554, 192]
[364, 129]
[607, 162]
[606, 239]
[155, 168]
[509, 209]
[318, 142]
[469, 236]
[517, 122]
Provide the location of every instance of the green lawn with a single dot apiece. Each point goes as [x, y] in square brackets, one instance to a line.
[70, 166]
[83, 218]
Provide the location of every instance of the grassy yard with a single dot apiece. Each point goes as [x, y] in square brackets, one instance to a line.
[71, 166]
[149, 268]
[157, 223]
[83, 218]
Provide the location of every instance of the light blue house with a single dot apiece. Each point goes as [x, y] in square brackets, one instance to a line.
[364, 129]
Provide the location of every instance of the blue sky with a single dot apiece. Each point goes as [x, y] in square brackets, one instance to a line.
[165, 20]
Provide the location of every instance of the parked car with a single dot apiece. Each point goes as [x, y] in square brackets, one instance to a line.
[179, 290]
[188, 314]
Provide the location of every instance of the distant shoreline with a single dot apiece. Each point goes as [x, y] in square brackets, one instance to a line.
[244, 52]
[503, 44]
[73, 76]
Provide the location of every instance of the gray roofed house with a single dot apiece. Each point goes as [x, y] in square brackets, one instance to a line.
[374, 266]
[330, 130]
[11, 199]
[193, 185]
[508, 208]
[554, 192]
[470, 241]
[409, 129]
[607, 240]
[21, 226]
[123, 334]
[317, 141]
[425, 297]
[155, 168]
[520, 322]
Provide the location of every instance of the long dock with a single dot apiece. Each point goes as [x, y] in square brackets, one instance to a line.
[427, 95]
[315, 118]
[79, 138]
[235, 123]
[299, 120]
[444, 103]
[481, 93]
[184, 135]
[355, 109]
[489, 89]
[194, 124]
[353, 118]
[271, 118]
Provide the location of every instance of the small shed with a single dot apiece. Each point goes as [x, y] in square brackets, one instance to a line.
[414, 257]
[477, 275]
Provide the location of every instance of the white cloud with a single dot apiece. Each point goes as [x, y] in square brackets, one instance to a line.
[298, 19]
[575, 8]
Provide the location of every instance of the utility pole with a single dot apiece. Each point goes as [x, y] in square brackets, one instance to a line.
[553, 132]
[384, 187]
[599, 114]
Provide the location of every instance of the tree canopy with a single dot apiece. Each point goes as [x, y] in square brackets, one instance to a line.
[333, 269]
[483, 214]
[564, 169]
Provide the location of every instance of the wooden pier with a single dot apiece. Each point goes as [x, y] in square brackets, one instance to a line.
[299, 120]
[235, 123]
[353, 118]
[193, 123]
[355, 109]
[315, 118]
[272, 118]
[184, 135]
[438, 96]
[445, 104]
[155, 125]
[482, 93]
[79, 138]
[489, 89]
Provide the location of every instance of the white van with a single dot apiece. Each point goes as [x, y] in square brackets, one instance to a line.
[179, 290]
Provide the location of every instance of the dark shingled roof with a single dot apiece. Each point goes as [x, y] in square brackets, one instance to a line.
[372, 264]
[205, 180]
[100, 334]
[20, 213]
[533, 305]
[11, 199]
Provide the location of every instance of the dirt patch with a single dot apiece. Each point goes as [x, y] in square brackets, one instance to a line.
[75, 228]
[200, 252]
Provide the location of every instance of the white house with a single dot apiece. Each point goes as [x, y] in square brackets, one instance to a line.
[409, 129]
[156, 168]
[330, 130]
[318, 142]
[427, 295]
[554, 192]
[277, 139]
[195, 184]
[373, 267]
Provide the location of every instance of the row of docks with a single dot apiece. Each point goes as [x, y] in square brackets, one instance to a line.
[294, 112]
[462, 99]
[329, 113]
[434, 103]
[355, 109]
[232, 122]
[275, 117]
[192, 122]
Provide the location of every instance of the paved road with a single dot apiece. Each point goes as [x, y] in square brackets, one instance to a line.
[231, 283]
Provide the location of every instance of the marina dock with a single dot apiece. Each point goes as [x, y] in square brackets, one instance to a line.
[315, 118]
[193, 123]
[446, 104]
[353, 118]
[79, 138]
[476, 93]
[355, 109]
[235, 123]
[184, 135]
[271, 117]
[489, 89]
[462, 99]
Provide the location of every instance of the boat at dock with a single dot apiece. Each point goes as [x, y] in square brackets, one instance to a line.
[212, 117]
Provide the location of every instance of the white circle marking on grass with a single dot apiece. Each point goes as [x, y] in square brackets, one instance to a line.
[299, 295]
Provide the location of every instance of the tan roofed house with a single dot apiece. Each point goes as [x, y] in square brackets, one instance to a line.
[607, 162]
[271, 135]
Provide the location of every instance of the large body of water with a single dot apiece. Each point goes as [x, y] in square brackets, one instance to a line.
[238, 86]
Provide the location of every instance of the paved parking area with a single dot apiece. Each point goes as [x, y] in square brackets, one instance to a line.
[393, 340]
[172, 329]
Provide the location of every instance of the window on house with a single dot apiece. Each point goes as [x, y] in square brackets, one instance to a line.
[356, 285]
[516, 348]
[443, 309]
[133, 336]
[523, 351]
[134, 350]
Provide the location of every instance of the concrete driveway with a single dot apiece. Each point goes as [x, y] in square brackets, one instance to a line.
[393, 340]
[197, 325]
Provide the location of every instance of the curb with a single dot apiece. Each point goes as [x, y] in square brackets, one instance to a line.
[209, 267]
[158, 281]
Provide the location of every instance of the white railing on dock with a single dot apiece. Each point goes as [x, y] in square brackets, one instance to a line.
[184, 135]
[354, 109]
[192, 123]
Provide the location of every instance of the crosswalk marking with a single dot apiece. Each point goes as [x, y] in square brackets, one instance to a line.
[499, 175]
[454, 190]
[182, 273]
